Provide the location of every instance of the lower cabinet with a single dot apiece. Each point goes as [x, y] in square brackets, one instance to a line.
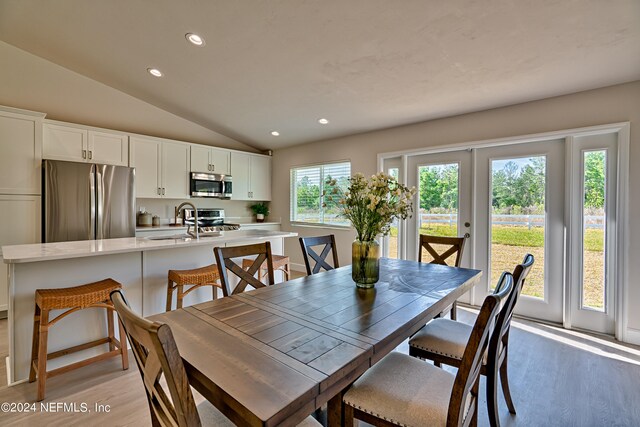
[23, 231]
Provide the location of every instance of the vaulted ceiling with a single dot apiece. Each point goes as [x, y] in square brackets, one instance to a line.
[361, 64]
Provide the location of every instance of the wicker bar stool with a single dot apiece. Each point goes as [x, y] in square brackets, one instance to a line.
[279, 263]
[72, 299]
[192, 280]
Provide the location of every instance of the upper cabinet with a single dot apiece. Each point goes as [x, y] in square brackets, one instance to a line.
[210, 160]
[251, 174]
[76, 144]
[162, 168]
[20, 152]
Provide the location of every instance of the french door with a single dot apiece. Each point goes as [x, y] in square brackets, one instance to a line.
[519, 210]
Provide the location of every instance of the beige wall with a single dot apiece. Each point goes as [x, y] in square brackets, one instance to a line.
[608, 105]
[32, 83]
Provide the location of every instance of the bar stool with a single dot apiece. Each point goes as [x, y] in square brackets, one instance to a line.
[279, 263]
[192, 279]
[72, 299]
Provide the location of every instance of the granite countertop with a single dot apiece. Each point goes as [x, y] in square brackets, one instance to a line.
[86, 248]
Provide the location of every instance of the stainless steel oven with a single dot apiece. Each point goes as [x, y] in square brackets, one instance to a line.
[211, 185]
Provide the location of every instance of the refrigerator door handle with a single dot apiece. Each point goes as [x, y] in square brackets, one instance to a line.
[92, 200]
[99, 204]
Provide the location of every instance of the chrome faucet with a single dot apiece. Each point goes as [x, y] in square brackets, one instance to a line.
[195, 217]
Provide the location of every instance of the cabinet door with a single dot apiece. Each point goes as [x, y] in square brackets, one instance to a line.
[175, 170]
[64, 143]
[20, 156]
[260, 186]
[200, 159]
[240, 176]
[145, 157]
[220, 160]
[24, 231]
[108, 148]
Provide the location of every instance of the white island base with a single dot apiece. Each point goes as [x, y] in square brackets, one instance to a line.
[139, 264]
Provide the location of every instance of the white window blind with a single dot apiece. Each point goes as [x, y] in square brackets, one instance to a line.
[307, 185]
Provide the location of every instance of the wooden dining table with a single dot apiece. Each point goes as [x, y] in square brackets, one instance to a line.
[274, 355]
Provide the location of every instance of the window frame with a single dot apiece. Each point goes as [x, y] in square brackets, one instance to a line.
[293, 196]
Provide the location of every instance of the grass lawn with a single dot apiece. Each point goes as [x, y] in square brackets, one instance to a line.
[511, 243]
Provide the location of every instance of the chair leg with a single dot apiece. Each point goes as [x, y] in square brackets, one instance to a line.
[437, 364]
[35, 344]
[504, 379]
[492, 397]
[110, 330]
[287, 271]
[123, 346]
[348, 416]
[42, 353]
[169, 295]
[179, 296]
[454, 311]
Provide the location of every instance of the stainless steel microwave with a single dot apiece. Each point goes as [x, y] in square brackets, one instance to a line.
[211, 185]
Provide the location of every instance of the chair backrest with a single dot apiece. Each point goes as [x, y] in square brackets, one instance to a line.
[309, 254]
[156, 354]
[463, 404]
[456, 246]
[503, 324]
[224, 258]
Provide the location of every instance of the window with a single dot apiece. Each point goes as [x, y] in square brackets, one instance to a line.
[307, 185]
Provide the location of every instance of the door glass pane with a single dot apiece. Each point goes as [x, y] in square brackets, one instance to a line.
[438, 195]
[392, 246]
[594, 229]
[518, 218]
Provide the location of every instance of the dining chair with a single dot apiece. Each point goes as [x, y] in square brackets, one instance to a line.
[453, 246]
[309, 254]
[225, 260]
[443, 341]
[157, 355]
[402, 390]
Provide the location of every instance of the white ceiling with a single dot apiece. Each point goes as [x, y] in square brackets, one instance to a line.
[363, 64]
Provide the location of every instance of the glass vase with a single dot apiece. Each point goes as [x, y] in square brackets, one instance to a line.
[365, 265]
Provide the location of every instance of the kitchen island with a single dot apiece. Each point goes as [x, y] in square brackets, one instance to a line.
[139, 264]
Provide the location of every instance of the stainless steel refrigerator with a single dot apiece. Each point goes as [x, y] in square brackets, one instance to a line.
[83, 201]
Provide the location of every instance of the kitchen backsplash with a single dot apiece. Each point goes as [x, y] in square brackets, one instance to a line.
[165, 208]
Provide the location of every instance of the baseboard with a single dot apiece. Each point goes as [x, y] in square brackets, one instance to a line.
[632, 336]
[300, 268]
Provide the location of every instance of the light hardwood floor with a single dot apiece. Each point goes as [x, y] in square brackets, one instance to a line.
[558, 378]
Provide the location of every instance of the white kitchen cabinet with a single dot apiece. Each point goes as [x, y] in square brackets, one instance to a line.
[162, 168]
[20, 152]
[251, 176]
[210, 160]
[77, 144]
[24, 231]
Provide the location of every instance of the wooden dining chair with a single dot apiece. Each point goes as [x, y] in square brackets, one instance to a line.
[402, 390]
[453, 246]
[225, 260]
[319, 259]
[443, 341]
[157, 355]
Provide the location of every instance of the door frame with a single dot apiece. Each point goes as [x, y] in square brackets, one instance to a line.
[622, 129]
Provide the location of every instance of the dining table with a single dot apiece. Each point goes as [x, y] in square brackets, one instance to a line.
[273, 355]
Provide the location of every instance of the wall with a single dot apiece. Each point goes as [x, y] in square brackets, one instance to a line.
[601, 106]
[165, 208]
[32, 83]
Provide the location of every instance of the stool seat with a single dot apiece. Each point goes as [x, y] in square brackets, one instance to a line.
[78, 296]
[72, 299]
[280, 262]
[191, 279]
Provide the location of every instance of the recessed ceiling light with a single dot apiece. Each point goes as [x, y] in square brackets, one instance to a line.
[323, 121]
[195, 39]
[275, 133]
[154, 72]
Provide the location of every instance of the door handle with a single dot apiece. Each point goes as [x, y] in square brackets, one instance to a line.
[163, 191]
[159, 191]
[209, 168]
[84, 154]
[213, 168]
[90, 154]
[467, 235]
